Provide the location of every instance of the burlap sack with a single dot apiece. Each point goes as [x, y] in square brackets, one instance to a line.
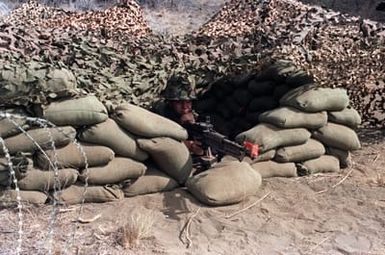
[224, 111]
[20, 165]
[289, 117]
[253, 117]
[76, 112]
[117, 170]
[70, 156]
[93, 194]
[309, 150]
[8, 197]
[7, 125]
[278, 71]
[45, 180]
[261, 157]
[348, 117]
[153, 181]
[22, 143]
[338, 136]
[310, 99]
[270, 137]
[233, 106]
[226, 184]
[298, 79]
[109, 134]
[261, 88]
[323, 164]
[171, 156]
[262, 103]
[142, 122]
[344, 157]
[270, 168]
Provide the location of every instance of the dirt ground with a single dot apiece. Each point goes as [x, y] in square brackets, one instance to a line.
[341, 213]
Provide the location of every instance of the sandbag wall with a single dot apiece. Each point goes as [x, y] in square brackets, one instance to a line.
[126, 152]
[311, 132]
[234, 105]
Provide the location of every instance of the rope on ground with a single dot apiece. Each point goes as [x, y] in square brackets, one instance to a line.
[186, 229]
[248, 207]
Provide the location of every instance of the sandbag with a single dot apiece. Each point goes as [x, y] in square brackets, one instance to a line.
[8, 197]
[226, 184]
[204, 105]
[280, 91]
[171, 156]
[261, 88]
[348, 117]
[278, 71]
[270, 168]
[338, 136]
[22, 143]
[142, 122]
[289, 117]
[76, 112]
[261, 157]
[153, 181]
[45, 180]
[93, 194]
[270, 137]
[108, 133]
[7, 124]
[262, 103]
[323, 164]
[233, 106]
[223, 111]
[309, 150]
[117, 170]
[70, 156]
[20, 165]
[344, 157]
[298, 79]
[310, 99]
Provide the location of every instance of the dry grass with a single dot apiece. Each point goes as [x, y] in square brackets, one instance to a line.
[138, 226]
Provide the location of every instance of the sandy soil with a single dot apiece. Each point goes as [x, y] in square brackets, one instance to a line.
[339, 213]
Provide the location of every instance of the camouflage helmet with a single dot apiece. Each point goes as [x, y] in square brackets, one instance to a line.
[178, 88]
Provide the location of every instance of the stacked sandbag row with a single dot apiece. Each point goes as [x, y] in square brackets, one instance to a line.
[235, 105]
[312, 131]
[110, 157]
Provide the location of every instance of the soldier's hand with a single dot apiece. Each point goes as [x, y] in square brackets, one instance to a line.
[194, 147]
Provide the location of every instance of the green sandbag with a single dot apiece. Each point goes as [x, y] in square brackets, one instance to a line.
[70, 156]
[153, 181]
[262, 103]
[298, 79]
[344, 157]
[253, 117]
[233, 106]
[270, 168]
[278, 71]
[117, 170]
[270, 137]
[311, 99]
[171, 156]
[225, 184]
[242, 96]
[7, 125]
[289, 117]
[309, 150]
[8, 197]
[76, 112]
[20, 165]
[45, 180]
[110, 134]
[142, 122]
[338, 136]
[22, 143]
[261, 88]
[323, 164]
[347, 117]
[93, 194]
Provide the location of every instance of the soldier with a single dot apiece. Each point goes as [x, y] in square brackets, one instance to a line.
[178, 106]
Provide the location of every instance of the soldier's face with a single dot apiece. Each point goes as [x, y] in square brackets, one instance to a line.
[182, 107]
